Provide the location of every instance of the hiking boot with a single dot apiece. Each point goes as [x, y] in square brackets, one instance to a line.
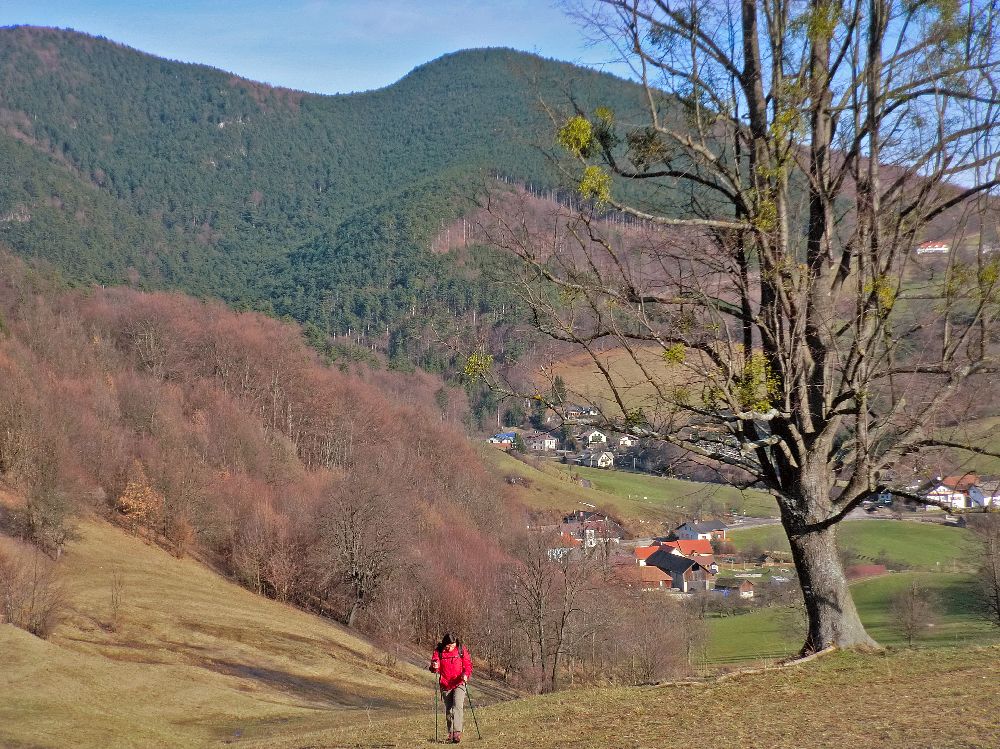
[451, 738]
[458, 737]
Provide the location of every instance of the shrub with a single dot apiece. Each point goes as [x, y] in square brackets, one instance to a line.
[30, 595]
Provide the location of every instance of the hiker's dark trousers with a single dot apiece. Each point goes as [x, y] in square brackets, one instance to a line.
[454, 706]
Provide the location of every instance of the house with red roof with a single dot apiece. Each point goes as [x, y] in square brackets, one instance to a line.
[690, 547]
[642, 553]
[934, 247]
[957, 492]
[645, 577]
[686, 575]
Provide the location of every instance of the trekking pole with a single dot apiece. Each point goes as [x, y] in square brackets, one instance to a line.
[472, 707]
[435, 710]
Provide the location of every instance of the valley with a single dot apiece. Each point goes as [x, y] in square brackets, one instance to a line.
[670, 397]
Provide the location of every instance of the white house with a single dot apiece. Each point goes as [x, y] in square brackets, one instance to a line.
[541, 442]
[625, 440]
[937, 247]
[701, 531]
[955, 492]
[581, 414]
[596, 459]
[989, 494]
[503, 440]
[592, 436]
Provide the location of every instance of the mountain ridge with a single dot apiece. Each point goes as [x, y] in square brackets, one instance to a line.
[121, 167]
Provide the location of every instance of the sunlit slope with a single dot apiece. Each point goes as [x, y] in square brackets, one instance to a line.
[941, 698]
[194, 660]
[644, 502]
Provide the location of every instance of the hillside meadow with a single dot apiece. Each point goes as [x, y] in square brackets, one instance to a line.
[191, 659]
[877, 701]
[647, 504]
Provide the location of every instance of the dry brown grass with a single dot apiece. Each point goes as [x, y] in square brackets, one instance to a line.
[585, 382]
[941, 699]
[193, 659]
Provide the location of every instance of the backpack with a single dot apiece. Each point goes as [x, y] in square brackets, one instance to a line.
[440, 652]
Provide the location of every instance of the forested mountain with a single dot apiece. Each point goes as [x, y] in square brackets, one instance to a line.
[118, 166]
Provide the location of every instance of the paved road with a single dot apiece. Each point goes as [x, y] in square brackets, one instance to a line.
[855, 514]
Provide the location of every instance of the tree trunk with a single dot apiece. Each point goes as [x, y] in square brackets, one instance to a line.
[352, 612]
[833, 617]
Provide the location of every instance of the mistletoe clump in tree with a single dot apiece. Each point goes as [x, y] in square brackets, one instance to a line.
[802, 150]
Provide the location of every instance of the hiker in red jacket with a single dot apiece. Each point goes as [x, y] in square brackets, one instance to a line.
[451, 662]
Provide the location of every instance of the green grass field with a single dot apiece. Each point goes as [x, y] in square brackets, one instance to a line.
[679, 495]
[644, 502]
[777, 632]
[918, 546]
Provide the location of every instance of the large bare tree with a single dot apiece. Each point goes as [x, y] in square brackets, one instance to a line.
[748, 243]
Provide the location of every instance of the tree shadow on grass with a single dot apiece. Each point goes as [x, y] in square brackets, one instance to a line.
[317, 691]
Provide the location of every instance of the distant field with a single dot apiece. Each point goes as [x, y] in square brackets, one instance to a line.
[195, 660]
[777, 632]
[546, 485]
[585, 382]
[644, 502]
[918, 546]
[676, 494]
[942, 698]
[984, 433]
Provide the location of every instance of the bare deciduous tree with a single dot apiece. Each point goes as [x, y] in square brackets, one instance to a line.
[548, 589]
[912, 612]
[357, 550]
[789, 157]
[987, 530]
[31, 596]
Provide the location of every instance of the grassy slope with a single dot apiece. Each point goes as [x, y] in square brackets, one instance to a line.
[944, 698]
[639, 499]
[584, 381]
[195, 660]
[676, 494]
[922, 546]
[777, 632]
[983, 433]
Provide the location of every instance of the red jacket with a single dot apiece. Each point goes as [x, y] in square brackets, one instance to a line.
[452, 666]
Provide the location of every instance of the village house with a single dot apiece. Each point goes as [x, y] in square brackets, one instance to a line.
[503, 440]
[700, 551]
[593, 437]
[644, 578]
[936, 247]
[581, 414]
[621, 441]
[642, 553]
[686, 574]
[541, 442]
[708, 530]
[730, 586]
[591, 528]
[956, 492]
[989, 493]
[595, 459]
[690, 548]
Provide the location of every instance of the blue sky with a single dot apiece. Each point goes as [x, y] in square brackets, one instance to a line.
[326, 46]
